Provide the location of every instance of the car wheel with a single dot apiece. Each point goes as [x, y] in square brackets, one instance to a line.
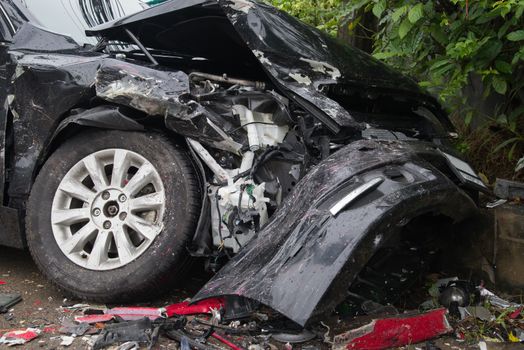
[110, 215]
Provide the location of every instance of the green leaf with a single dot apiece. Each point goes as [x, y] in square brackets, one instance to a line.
[499, 85]
[384, 55]
[439, 64]
[503, 30]
[438, 34]
[469, 117]
[404, 28]
[489, 51]
[503, 67]
[520, 165]
[416, 13]
[520, 10]
[516, 35]
[379, 8]
[401, 11]
[506, 143]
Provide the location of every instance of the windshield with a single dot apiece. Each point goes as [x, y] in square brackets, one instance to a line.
[73, 17]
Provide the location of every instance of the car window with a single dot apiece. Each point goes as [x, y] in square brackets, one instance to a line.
[73, 17]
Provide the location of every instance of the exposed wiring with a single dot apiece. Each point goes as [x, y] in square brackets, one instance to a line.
[222, 243]
[243, 126]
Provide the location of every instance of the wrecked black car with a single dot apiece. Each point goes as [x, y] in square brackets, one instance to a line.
[222, 130]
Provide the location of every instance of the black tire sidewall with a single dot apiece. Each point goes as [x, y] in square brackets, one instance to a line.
[159, 264]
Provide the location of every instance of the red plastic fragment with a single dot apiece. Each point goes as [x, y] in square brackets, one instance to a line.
[225, 341]
[395, 331]
[201, 307]
[94, 318]
[135, 313]
[19, 336]
[2, 282]
[516, 313]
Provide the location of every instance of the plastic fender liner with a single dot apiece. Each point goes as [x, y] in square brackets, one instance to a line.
[298, 256]
[103, 117]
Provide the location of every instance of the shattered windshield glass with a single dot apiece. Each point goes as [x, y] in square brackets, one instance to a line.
[73, 17]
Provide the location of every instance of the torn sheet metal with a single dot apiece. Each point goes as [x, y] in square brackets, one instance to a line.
[149, 90]
[300, 59]
[395, 331]
[306, 251]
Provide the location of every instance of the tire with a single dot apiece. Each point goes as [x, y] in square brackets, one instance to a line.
[137, 266]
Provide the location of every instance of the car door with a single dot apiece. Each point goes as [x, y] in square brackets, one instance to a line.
[9, 235]
[7, 30]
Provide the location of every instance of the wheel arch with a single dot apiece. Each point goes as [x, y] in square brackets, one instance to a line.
[102, 117]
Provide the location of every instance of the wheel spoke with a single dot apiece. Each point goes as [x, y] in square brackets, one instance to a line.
[70, 216]
[120, 167]
[99, 252]
[78, 241]
[142, 177]
[144, 228]
[96, 172]
[88, 199]
[125, 247]
[150, 201]
[76, 190]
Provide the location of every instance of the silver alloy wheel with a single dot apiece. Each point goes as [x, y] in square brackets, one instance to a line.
[108, 209]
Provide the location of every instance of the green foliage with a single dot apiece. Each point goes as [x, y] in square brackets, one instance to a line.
[323, 14]
[445, 44]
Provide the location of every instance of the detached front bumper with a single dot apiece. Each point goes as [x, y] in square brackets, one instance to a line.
[338, 216]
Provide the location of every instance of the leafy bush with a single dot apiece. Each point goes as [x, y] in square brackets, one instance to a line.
[446, 45]
[323, 14]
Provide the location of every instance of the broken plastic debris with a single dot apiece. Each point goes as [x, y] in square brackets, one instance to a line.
[136, 331]
[94, 318]
[497, 301]
[19, 337]
[476, 311]
[8, 300]
[69, 327]
[135, 313]
[225, 341]
[295, 338]
[125, 313]
[67, 340]
[395, 331]
[201, 307]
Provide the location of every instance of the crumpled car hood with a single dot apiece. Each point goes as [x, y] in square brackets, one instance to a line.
[297, 57]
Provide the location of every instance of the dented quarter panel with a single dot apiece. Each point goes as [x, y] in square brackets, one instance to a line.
[62, 82]
[294, 260]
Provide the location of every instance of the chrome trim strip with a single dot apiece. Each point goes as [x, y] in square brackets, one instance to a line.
[354, 194]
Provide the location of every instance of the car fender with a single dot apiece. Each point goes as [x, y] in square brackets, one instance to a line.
[310, 242]
[102, 117]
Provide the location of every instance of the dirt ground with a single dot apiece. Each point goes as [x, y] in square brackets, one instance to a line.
[41, 306]
[42, 301]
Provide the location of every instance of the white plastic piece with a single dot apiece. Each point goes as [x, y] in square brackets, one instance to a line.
[219, 172]
[247, 120]
[247, 161]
